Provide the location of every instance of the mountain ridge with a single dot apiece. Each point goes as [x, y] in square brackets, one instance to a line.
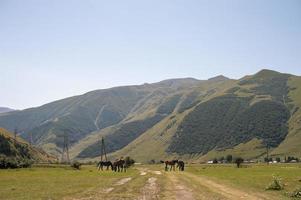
[151, 117]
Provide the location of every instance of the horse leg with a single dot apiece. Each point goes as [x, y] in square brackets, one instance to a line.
[165, 167]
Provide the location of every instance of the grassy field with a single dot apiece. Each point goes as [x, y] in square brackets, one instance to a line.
[149, 182]
[56, 182]
[253, 177]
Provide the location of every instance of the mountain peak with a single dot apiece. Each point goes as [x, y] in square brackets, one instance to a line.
[218, 78]
[264, 73]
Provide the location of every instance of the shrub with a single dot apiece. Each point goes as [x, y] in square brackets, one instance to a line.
[76, 165]
[12, 163]
[276, 184]
[229, 158]
[152, 162]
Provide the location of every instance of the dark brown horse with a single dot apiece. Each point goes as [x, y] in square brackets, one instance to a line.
[119, 165]
[107, 164]
[171, 163]
[181, 165]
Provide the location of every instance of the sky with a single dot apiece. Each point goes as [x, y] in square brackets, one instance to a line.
[52, 49]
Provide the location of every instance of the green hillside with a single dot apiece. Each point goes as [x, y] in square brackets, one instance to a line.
[179, 118]
[238, 117]
[81, 115]
[20, 149]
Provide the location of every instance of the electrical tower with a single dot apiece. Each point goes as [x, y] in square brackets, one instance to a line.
[103, 150]
[65, 154]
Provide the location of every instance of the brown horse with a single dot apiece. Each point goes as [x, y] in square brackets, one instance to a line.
[171, 163]
[107, 164]
[181, 165]
[119, 165]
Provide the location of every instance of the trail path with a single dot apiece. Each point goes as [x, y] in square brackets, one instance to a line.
[227, 191]
[180, 190]
[150, 184]
[150, 191]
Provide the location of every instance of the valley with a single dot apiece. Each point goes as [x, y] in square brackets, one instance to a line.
[196, 120]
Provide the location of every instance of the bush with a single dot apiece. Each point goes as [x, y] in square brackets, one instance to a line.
[13, 163]
[76, 165]
[276, 184]
[151, 162]
[229, 158]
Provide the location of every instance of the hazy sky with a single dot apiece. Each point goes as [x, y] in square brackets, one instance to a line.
[51, 49]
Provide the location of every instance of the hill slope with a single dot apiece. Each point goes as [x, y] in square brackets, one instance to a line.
[5, 109]
[240, 118]
[20, 149]
[178, 118]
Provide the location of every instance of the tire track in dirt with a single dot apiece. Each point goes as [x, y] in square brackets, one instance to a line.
[225, 190]
[151, 190]
[179, 190]
[99, 194]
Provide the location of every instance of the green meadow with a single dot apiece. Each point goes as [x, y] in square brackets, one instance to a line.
[198, 181]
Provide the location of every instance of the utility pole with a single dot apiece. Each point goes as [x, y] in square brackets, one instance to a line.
[103, 150]
[268, 160]
[65, 153]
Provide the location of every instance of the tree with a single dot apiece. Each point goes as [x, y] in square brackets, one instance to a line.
[238, 161]
[266, 160]
[229, 158]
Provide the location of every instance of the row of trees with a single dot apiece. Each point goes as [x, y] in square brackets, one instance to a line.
[278, 159]
[229, 159]
[13, 163]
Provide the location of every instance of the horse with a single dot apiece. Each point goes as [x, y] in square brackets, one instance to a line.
[171, 163]
[119, 165]
[180, 165]
[106, 164]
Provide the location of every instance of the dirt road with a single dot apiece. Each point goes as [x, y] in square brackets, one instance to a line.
[153, 184]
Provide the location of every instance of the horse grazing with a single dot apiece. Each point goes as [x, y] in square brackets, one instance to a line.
[181, 165]
[107, 164]
[119, 165]
[171, 163]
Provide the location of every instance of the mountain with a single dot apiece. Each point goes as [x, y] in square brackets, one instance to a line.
[20, 149]
[5, 109]
[178, 118]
